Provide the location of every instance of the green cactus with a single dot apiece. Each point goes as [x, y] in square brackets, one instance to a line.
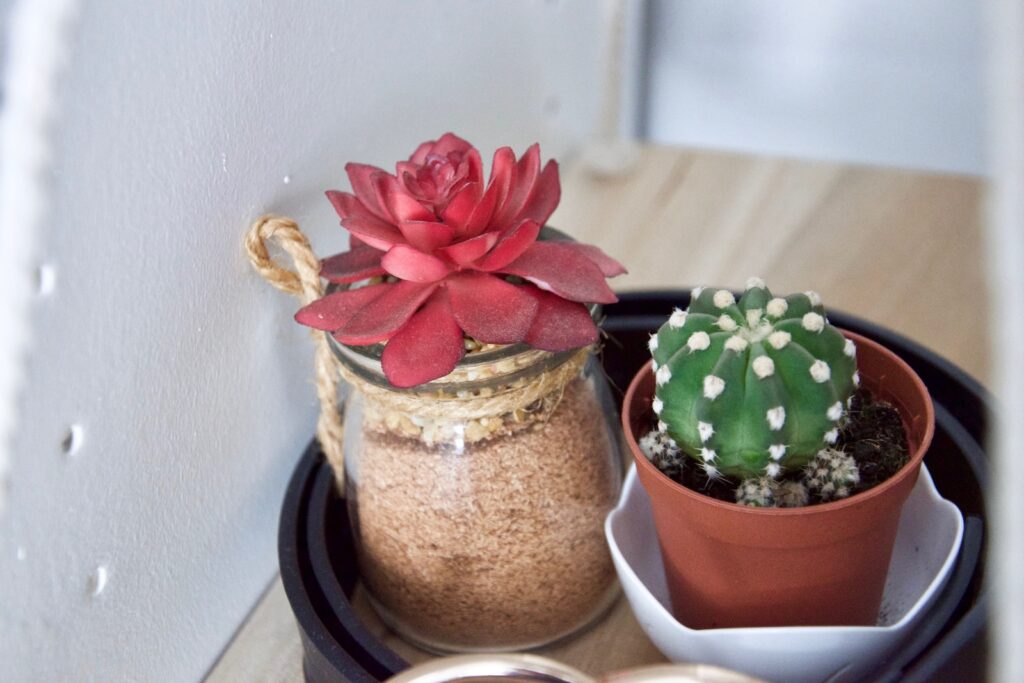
[754, 387]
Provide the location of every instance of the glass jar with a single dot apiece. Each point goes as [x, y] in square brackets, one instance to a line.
[478, 500]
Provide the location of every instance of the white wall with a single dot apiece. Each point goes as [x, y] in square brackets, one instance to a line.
[190, 384]
[892, 83]
[1005, 244]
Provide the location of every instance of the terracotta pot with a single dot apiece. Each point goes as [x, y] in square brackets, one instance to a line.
[729, 565]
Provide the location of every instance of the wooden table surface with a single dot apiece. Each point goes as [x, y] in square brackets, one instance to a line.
[900, 248]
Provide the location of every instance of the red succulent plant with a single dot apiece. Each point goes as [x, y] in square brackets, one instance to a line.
[463, 260]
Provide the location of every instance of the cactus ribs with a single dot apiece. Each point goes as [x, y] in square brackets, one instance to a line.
[755, 402]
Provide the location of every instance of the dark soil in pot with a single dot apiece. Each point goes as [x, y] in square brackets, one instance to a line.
[874, 436]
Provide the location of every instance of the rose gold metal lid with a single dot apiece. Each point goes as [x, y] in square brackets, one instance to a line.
[491, 669]
[518, 667]
[678, 673]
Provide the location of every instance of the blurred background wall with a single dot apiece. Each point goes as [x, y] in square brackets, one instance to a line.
[871, 81]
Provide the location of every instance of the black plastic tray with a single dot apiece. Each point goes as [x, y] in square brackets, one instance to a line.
[319, 572]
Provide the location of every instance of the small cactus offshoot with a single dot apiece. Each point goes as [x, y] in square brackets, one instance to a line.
[663, 452]
[832, 474]
[756, 492]
[791, 494]
[754, 387]
[766, 492]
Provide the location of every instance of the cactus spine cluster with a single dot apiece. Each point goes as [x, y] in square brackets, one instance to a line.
[765, 492]
[756, 492]
[832, 474]
[664, 453]
[753, 387]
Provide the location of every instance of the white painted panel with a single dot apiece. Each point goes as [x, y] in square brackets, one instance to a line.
[136, 557]
[1005, 245]
[893, 83]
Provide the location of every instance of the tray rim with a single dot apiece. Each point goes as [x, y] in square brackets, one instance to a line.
[945, 605]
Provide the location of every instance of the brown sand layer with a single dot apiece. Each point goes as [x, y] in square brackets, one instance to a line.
[497, 544]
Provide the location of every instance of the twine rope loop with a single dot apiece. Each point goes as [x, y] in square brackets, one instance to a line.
[462, 407]
[303, 282]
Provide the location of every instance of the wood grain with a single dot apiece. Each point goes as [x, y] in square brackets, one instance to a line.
[896, 247]
[266, 648]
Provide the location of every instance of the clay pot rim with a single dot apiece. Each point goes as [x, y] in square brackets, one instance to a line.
[862, 498]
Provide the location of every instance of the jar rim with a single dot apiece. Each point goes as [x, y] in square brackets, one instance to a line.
[368, 368]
